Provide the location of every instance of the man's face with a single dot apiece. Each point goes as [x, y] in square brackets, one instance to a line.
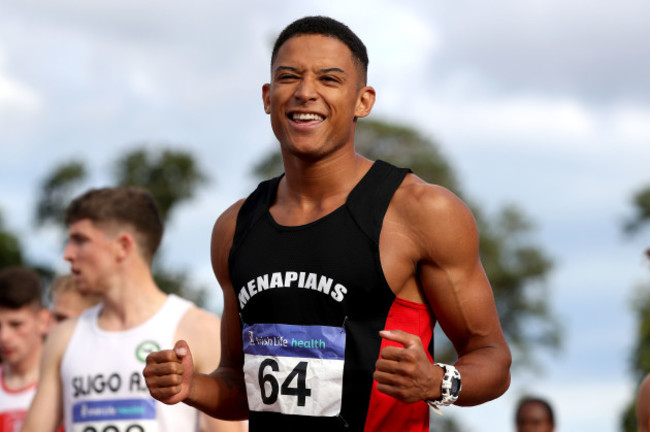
[21, 333]
[316, 91]
[92, 255]
[533, 417]
[67, 304]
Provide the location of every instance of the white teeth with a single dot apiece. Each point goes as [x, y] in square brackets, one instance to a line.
[307, 116]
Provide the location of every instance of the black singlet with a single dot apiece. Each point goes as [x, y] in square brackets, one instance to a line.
[326, 274]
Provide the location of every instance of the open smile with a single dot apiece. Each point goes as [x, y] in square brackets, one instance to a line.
[305, 117]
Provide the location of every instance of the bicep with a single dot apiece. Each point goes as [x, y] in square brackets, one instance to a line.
[453, 279]
[463, 304]
[222, 239]
[231, 339]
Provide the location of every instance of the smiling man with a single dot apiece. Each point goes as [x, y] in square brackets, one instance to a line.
[335, 273]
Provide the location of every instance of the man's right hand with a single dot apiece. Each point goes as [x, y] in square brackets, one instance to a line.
[168, 373]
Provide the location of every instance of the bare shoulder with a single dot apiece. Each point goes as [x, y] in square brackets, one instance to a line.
[201, 330]
[58, 339]
[197, 325]
[417, 198]
[432, 216]
[222, 237]
[225, 223]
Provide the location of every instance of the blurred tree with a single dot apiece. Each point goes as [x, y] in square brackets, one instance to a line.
[171, 176]
[640, 358]
[641, 203]
[57, 190]
[11, 254]
[10, 250]
[515, 266]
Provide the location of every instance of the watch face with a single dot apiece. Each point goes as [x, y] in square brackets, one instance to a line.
[455, 387]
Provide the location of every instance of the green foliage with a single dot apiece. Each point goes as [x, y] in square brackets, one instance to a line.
[171, 177]
[57, 190]
[517, 270]
[641, 352]
[641, 203]
[640, 356]
[515, 265]
[10, 250]
[269, 166]
[404, 146]
[628, 420]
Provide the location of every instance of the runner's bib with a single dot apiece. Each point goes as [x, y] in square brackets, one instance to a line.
[122, 415]
[292, 369]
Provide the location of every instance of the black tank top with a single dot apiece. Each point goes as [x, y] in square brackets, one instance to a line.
[325, 273]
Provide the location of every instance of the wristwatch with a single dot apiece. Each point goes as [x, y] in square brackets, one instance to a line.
[449, 388]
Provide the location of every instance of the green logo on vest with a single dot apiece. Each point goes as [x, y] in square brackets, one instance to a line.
[146, 348]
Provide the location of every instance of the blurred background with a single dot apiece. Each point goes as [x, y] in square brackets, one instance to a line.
[537, 113]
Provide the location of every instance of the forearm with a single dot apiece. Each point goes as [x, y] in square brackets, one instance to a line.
[44, 413]
[221, 394]
[485, 375]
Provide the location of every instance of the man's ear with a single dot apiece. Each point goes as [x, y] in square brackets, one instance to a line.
[266, 97]
[125, 245]
[365, 102]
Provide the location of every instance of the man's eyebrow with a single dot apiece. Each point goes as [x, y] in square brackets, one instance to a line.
[325, 70]
[332, 69]
[285, 68]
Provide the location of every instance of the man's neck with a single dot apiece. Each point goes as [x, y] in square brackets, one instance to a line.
[322, 177]
[23, 374]
[310, 191]
[132, 301]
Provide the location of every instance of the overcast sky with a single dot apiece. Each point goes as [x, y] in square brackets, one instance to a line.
[545, 104]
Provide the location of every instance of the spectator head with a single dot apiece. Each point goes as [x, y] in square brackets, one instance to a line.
[534, 415]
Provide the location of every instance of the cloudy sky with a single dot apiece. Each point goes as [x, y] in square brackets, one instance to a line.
[545, 104]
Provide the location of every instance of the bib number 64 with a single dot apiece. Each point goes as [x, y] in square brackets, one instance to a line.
[298, 374]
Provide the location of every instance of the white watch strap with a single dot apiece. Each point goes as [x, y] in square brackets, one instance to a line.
[446, 396]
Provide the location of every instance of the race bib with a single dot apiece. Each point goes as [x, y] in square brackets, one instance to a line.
[293, 369]
[122, 415]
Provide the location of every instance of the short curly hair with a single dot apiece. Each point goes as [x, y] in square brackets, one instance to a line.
[325, 26]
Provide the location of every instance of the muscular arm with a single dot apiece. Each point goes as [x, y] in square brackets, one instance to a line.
[229, 377]
[429, 249]
[46, 411]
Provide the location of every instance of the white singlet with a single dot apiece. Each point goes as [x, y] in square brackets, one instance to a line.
[101, 373]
